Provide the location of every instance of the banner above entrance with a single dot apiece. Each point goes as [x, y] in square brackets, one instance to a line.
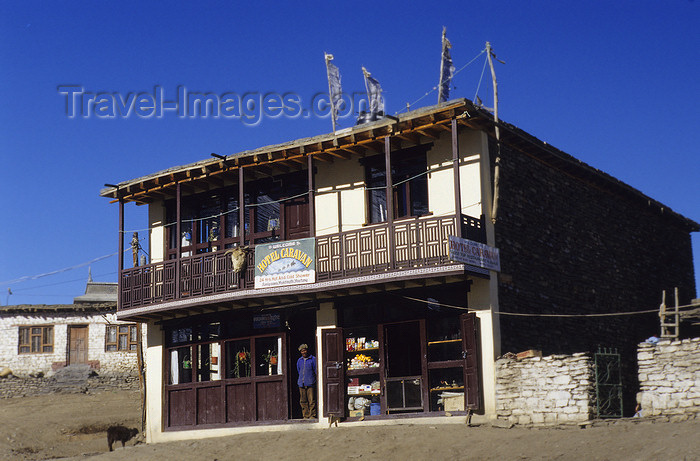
[292, 262]
[474, 253]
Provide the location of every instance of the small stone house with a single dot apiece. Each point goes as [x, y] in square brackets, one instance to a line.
[40, 339]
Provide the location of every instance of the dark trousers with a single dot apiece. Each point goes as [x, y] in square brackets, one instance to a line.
[307, 400]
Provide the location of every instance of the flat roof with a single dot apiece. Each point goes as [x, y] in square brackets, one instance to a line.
[427, 122]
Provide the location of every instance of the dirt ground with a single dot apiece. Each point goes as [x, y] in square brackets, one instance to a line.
[73, 426]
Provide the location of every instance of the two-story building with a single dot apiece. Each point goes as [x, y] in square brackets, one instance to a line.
[342, 242]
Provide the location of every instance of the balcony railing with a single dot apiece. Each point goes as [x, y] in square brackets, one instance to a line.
[416, 242]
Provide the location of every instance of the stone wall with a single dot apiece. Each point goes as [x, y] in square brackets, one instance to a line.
[558, 389]
[568, 244]
[669, 375]
[23, 387]
[571, 244]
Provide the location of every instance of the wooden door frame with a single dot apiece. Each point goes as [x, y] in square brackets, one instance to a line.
[70, 337]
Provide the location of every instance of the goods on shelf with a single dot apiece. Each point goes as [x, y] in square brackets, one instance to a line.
[361, 361]
[358, 344]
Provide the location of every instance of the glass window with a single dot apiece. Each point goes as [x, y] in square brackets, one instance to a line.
[266, 356]
[180, 365]
[238, 359]
[208, 362]
[35, 339]
[121, 338]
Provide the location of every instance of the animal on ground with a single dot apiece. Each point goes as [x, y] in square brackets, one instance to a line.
[119, 434]
[333, 419]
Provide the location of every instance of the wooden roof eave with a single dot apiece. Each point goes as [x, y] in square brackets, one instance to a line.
[341, 144]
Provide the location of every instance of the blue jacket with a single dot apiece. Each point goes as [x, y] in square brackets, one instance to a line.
[307, 371]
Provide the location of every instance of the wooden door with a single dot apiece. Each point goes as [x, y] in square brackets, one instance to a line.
[296, 218]
[333, 372]
[78, 345]
[471, 369]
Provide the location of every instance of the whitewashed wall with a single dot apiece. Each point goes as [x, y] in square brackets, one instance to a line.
[24, 364]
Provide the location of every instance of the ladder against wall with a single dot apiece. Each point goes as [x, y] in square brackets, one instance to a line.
[670, 320]
[672, 316]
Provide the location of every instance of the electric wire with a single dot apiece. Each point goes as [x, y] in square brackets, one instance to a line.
[450, 80]
[524, 314]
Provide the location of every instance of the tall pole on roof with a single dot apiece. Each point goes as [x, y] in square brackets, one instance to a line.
[496, 172]
[334, 88]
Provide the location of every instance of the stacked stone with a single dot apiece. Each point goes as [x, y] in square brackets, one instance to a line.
[23, 387]
[558, 389]
[669, 377]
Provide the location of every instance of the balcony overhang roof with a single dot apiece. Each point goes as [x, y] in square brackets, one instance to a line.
[411, 128]
[294, 295]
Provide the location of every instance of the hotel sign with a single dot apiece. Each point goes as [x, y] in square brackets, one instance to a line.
[474, 253]
[291, 262]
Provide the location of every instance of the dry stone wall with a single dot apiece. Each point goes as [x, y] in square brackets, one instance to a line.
[558, 389]
[669, 377]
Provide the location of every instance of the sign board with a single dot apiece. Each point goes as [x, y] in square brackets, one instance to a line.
[291, 262]
[474, 253]
[266, 321]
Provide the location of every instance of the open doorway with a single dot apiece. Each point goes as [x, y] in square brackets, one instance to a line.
[302, 330]
[404, 367]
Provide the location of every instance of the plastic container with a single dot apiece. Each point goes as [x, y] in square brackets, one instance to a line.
[375, 408]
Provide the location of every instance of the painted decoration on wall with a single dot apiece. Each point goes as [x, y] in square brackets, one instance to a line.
[292, 262]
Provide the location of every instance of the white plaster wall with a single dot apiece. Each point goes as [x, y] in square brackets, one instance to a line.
[153, 356]
[441, 177]
[24, 364]
[340, 183]
[156, 219]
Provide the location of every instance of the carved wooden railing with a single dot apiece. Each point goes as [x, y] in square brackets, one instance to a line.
[416, 242]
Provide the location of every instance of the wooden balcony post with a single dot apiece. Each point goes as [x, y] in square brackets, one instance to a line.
[178, 236]
[455, 169]
[241, 209]
[120, 257]
[312, 217]
[389, 201]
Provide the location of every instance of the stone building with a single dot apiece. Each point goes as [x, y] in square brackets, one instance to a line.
[41, 339]
[379, 246]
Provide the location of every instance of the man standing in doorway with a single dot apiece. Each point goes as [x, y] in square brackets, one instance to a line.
[306, 367]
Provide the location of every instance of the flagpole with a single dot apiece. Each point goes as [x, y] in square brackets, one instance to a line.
[369, 99]
[497, 161]
[328, 58]
[442, 63]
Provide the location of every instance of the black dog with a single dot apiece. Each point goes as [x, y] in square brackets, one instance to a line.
[119, 434]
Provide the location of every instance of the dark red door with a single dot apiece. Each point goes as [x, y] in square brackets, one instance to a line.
[471, 370]
[333, 372]
[296, 218]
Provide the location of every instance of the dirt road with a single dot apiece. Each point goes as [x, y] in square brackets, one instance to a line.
[73, 426]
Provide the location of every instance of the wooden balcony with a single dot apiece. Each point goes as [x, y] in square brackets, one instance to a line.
[409, 243]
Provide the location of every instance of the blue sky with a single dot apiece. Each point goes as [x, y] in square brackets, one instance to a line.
[613, 83]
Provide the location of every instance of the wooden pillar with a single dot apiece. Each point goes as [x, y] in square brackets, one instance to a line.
[120, 248]
[455, 169]
[389, 200]
[241, 209]
[312, 214]
[178, 236]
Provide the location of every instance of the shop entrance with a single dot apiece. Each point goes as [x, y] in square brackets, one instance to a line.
[404, 366]
[412, 366]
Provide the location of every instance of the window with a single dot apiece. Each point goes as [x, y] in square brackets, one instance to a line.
[121, 338]
[410, 191]
[35, 340]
